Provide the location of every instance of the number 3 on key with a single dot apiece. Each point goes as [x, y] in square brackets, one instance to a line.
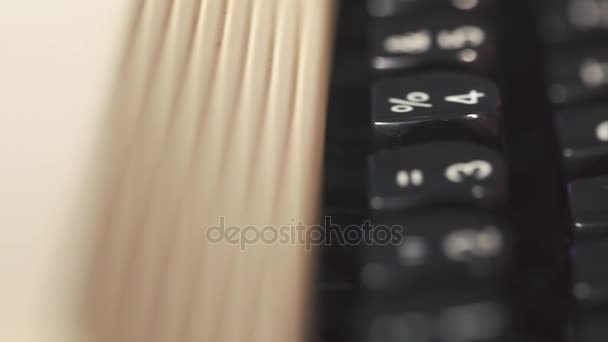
[478, 169]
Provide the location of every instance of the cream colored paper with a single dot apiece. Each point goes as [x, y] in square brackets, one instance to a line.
[128, 128]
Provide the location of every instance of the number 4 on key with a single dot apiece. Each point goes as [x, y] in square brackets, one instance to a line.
[472, 98]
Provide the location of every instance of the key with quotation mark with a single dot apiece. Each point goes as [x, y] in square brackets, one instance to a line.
[448, 105]
[448, 172]
[446, 40]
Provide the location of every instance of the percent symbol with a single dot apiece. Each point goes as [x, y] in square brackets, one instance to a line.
[412, 100]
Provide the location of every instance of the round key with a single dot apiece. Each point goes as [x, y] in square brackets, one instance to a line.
[386, 8]
[461, 40]
[441, 105]
[438, 251]
[583, 135]
[448, 172]
[578, 75]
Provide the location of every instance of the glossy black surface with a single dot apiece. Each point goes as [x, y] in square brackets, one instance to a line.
[592, 328]
[438, 250]
[580, 73]
[563, 21]
[477, 317]
[589, 205]
[590, 276]
[536, 292]
[438, 40]
[441, 105]
[447, 172]
[583, 133]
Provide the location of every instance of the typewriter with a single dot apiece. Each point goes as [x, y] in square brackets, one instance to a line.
[469, 139]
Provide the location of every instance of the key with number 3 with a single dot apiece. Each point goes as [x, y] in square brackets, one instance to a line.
[437, 105]
[447, 172]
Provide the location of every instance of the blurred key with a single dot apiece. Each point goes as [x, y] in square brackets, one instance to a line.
[578, 75]
[440, 318]
[443, 40]
[590, 272]
[592, 327]
[386, 8]
[590, 289]
[583, 135]
[447, 172]
[437, 251]
[563, 20]
[439, 105]
[589, 206]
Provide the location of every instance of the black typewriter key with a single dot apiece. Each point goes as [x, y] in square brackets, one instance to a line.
[590, 272]
[583, 135]
[579, 74]
[439, 250]
[439, 105]
[447, 172]
[386, 8]
[439, 318]
[568, 20]
[592, 327]
[589, 206]
[463, 40]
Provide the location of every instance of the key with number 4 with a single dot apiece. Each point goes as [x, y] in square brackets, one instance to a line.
[447, 172]
[441, 105]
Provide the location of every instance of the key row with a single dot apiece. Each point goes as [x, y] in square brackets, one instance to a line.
[560, 20]
[437, 171]
[458, 105]
[577, 72]
[578, 87]
[457, 41]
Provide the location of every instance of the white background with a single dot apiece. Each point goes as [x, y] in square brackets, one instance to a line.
[57, 62]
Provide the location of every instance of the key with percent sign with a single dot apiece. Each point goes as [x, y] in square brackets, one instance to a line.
[441, 105]
[412, 100]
